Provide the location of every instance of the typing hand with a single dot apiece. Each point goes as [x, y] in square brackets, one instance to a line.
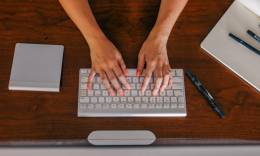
[154, 54]
[109, 64]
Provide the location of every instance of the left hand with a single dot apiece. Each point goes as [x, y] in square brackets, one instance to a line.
[154, 54]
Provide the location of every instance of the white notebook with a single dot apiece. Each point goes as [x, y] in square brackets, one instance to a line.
[237, 20]
[36, 67]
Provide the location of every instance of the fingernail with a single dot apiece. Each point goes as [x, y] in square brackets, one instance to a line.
[122, 94]
[137, 72]
[126, 72]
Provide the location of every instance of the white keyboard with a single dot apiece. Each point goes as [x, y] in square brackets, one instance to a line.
[98, 103]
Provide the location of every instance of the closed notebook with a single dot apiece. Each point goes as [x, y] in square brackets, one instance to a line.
[36, 67]
[237, 20]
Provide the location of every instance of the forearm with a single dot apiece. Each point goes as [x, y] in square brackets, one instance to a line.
[167, 17]
[80, 13]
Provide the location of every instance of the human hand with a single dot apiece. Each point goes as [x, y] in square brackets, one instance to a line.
[109, 64]
[154, 54]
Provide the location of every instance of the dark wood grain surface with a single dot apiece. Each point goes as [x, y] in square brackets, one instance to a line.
[41, 115]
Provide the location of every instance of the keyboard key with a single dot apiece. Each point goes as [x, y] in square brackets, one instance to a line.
[181, 99]
[177, 86]
[101, 99]
[178, 93]
[159, 99]
[84, 80]
[98, 106]
[129, 106]
[91, 106]
[136, 106]
[83, 86]
[90, 92]
[135, 80]
[174, 105]
[173, 99]
[83, 93]
[130, 99]
[121, 106]
[179, 72]
[108, 99]
[96, 86]
[148, 93]
[143, 106]
[116, 99]
[169, 92]
[84, 100]
[145, 100]
[129, 79]
[105, 93]
[141, 80]
[181, 105]
[162, 93]
[97, 92]
[166, 100]
[134, 93]
[123, 99]
[151, 106]
[166, 105]
[106, 106]
[158, 105]
[113, 106]
[138, 99]
[177, 80]
[93, 100]
[127, 93]
[132, 85]
[153, 99]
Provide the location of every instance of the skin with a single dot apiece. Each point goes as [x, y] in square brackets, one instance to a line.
[107, 60]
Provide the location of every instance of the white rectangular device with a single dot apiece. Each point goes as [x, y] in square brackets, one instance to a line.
[242, 61]
[36, 67]
[98, 103]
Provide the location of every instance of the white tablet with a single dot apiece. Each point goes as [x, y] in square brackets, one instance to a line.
[36, 67]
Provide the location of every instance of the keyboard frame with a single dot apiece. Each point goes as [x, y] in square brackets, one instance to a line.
[148, 112]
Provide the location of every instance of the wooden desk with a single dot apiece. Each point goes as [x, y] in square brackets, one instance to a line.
[40, 115]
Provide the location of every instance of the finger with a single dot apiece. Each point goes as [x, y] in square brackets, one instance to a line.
[91, 77]
[158, 82]
[112, 78]
[123, 66]
[166, 78]
[118, 72]
[140, 66]
[170, 82]
[106, 84]
[148, 74]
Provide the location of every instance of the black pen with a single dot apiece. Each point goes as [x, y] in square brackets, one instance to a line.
[244, 43]
[211, 101]
[253, 35]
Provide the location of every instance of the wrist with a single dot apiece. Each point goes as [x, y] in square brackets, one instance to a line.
[94, 37]
[158, 35]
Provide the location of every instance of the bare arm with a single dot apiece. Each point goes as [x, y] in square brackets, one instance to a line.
[80, 13]
[154, 51]
[106, 59]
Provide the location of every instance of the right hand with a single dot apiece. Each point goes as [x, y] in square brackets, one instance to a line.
[109, 64]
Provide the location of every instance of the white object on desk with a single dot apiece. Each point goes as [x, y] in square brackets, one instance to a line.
[121, 137]
[36, 67]
[98, 103]
[252, 5]
[245, 63]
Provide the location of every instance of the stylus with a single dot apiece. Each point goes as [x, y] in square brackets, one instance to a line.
[244, 43]
[253, 35]
[211, 101]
